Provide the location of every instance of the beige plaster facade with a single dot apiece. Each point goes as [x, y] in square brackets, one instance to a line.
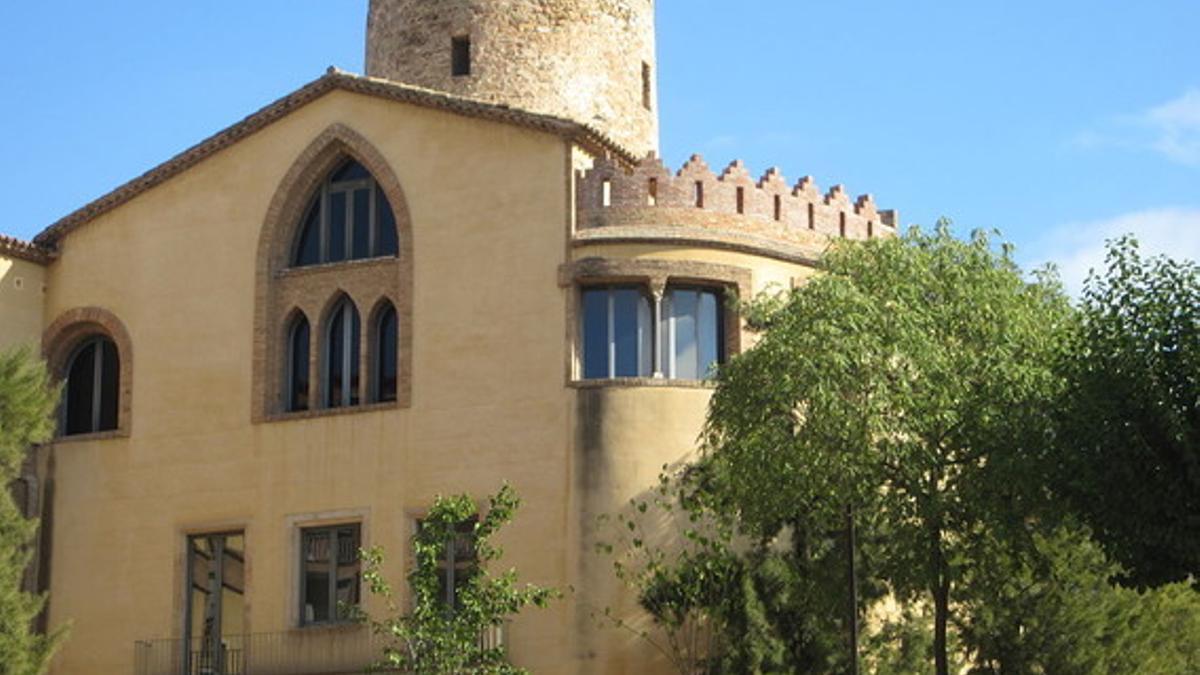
[503, 216]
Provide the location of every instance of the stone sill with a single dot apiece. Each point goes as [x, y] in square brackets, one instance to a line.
[653, 382]
[98, 436]
[307, 270]
[331, 412]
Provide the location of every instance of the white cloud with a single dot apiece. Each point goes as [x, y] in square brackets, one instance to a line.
[1076, 248]
[1171, 129]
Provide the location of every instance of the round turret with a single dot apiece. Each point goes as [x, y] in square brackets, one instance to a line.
[591, 61]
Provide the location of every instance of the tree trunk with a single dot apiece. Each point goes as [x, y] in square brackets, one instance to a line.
[940, 587]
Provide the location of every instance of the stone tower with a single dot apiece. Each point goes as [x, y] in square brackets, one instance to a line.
[591, 61]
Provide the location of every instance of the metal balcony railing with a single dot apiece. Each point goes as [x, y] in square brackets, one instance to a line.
[335, 651]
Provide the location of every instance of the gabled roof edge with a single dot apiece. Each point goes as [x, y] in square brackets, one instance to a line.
[16, 248]
[334, 79]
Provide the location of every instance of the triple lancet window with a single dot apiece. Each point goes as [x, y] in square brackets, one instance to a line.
[92, 388]
[628, 333]
[341, 360]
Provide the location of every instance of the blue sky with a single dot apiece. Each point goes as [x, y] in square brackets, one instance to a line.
[1060, 122]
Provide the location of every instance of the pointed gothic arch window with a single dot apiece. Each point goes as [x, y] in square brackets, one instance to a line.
[385, 362]
[92, 388]
[341, 364]
[298, 345]
[348, 218]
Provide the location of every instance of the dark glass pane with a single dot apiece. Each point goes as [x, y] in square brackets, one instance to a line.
[334, 358]
[595, 333]
[352, 357]
[629, 327]
[349, 171]
[80, 386]
[348, 569]
[708, 323]
[337, 226]
[386, 360]
[110, 383]
[316, 561]
[683, 310]
[386, 242]
[298, 366]
[362, 224]
[308, 252]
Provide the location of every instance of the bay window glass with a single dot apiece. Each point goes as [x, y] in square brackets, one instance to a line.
[692, 333]
[617, 333]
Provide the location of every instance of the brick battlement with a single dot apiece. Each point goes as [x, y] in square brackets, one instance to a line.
[695, 197]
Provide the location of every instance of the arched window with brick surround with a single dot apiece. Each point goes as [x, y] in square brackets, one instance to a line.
[295, 384]
[336, 240]
[88, 349]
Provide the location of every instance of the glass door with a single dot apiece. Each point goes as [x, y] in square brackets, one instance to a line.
[215, 604]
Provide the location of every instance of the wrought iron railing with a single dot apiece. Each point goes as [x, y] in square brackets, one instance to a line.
[333, 651]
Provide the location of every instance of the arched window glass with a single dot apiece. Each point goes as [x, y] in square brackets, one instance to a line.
[341, 356]
[348, 219]
[385, 366]
[296, 384]
[93, 385]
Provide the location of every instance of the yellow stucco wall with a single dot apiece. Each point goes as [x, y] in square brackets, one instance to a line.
[21, 300]
[490, 398]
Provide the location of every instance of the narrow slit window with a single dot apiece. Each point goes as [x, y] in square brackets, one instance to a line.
[778, 207]
[652, 192]
[460, 56]
[812, 217]
[647, 86]
[741, 200]
[842, 224]
[699, 194]
[606, 193]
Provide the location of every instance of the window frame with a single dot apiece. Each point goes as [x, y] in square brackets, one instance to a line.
[450, 563]
[299, 320]
[322, 200]
[376, 356]
[97, 343]
[302, 591]
[351, 395]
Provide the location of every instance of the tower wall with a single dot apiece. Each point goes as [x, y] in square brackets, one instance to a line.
[591, 61]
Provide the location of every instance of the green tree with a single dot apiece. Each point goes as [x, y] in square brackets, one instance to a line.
[913, 379]
[1130, 457]
[1057, 611]
[436, 638]
[27, 403]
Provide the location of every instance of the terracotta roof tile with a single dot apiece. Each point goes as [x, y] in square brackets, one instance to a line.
[16, 248]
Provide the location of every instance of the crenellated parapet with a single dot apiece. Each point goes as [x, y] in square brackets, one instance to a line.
[733, 204]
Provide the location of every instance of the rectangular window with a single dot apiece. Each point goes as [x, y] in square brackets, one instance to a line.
[330, 572]
[460, 56]
[617, 333]
[215, 613]
[459, 563]
[693, 335]
[647, 86]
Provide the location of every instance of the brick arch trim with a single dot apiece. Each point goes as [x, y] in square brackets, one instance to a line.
[280, 225]
[65, 333]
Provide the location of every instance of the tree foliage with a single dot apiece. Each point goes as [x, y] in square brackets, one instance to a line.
[27, 403]
[1130, 457]
[914, 379]
[434, 638]
[1057, 611]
